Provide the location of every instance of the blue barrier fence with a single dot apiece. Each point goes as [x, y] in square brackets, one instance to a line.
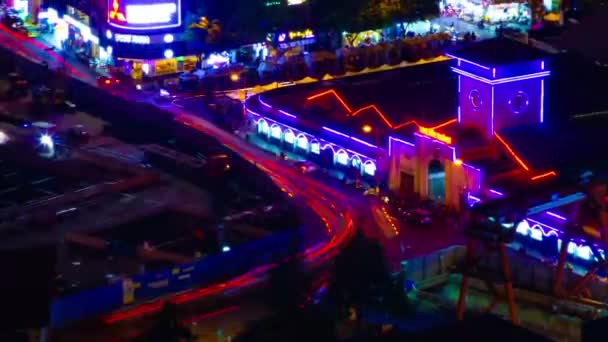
[105, 299]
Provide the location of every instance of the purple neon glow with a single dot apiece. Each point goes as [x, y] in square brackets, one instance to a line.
[493, 72]
[476, 199]
[557, 216]
[349, 137]
[542, 65]
[542, 100]
[496, 192]
[459, 77]
[472, 167]
[263, 103]
[287, 114]
[501, 80]
[467, 61]
[252, 112]
[550, 228]
[390, 139]
[492, 114]
[539, 226]
[459, 114]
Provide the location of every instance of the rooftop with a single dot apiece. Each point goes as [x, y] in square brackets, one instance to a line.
[390, 101]
[498, 52]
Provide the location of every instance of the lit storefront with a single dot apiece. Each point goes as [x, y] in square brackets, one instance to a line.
[291, 39]
[492, 12]
[147, 38]
[80, 37]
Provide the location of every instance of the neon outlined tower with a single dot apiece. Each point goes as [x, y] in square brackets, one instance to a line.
[501, 84]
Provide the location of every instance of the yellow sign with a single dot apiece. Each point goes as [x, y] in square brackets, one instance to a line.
[128, 291]
[435, 135]
[165, 66]
[190, 63]
[293, 35]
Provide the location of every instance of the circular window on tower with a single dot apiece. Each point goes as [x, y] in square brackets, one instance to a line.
[519, 102]
[475, 99]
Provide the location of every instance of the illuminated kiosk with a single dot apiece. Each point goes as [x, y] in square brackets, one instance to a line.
[146, 37]
[500, 86]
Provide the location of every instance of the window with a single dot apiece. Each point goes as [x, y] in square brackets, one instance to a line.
[519, 102]
[475, 99]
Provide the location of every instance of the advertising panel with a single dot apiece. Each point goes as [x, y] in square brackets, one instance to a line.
[144, 14]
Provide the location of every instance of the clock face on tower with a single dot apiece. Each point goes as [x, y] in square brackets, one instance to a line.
[475, 99]
[518, 103]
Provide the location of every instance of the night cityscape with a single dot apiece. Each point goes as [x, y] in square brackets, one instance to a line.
[303, 170]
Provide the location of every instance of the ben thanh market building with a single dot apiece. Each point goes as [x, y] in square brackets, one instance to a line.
[480, 132]
[442, 155]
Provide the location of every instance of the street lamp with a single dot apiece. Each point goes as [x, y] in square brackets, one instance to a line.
[367, 129]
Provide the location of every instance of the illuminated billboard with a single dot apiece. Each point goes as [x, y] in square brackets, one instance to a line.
[144, 14]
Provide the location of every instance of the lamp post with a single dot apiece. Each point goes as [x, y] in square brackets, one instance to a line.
[235, 77]
[368, 129]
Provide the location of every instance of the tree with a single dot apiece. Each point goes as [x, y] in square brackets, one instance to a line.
[167, 328]
[411, 11]
[288, 284]
[362, 280]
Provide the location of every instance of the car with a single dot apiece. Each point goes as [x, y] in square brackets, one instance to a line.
[105, 81]
[164, 96]
[306, 167]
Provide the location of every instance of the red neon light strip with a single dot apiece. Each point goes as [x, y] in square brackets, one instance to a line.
[382, 116]
[544, 175]
[333, 92]
[406, 123]
[447, 123]
[353, 113]
[513, 154]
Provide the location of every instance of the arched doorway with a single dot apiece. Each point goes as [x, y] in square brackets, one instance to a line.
[275, 133]
[327, 156]
[342, 158]
[263, 127]
[355, 162]
[302, 143]
[315, 147]
[436, 175]
[369, 168]
[289, 137]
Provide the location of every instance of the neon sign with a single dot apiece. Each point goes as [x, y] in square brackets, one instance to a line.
[131, 39]
[429, 132]
[144, 14]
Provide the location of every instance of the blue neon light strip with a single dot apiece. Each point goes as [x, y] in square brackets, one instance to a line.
[391, 139]
[492, 114]
[287, 114]
[542, 100]
[263, 103]
[467, 61]
[349, 137]
[501, 80]
[556, 203]
[557, 216]
[496, 192]
[305, 133]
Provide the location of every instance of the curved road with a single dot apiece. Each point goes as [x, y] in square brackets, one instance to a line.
[332, 207]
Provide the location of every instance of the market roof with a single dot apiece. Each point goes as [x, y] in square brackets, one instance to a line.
[498, 51]
[390, 101]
